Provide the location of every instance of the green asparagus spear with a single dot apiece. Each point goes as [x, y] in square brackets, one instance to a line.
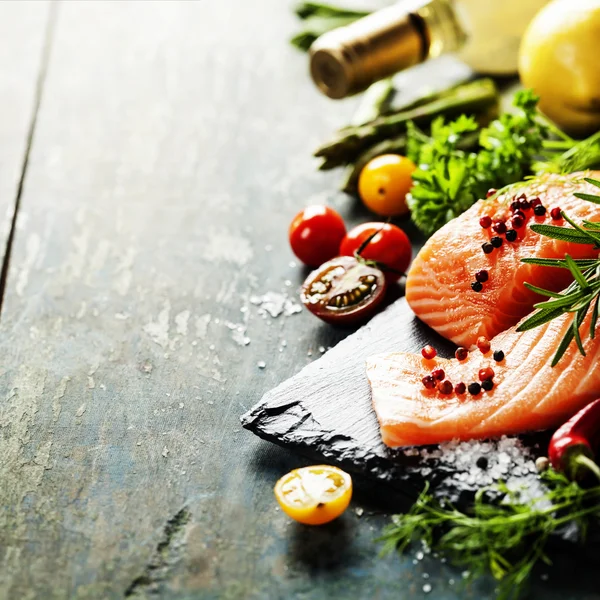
[473, 97]
[374, 102]
[320, 18]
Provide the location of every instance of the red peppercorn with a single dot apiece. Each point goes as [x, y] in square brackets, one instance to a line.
[517, 222]
[520, 213]
[522, 197]
[460, 388]
[525, 205]
[483, 344]
[534, 202]
[485, 221]
[428, 382]
[438, 374]
[491, 192]
[445, 387]
[461, 353]
[499, 226]
[482, 276]
[515, 205]
[429, 352]
[556, 214]
[486, 373]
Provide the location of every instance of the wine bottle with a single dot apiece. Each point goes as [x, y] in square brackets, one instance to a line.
[484, 33]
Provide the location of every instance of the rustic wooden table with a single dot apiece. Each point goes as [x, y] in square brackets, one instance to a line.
[152, 155]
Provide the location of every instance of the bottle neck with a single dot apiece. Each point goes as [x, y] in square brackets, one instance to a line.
[348, 60]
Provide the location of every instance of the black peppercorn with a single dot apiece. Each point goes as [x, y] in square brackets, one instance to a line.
[482, 276]
[511, 235]
[539, 210]
[487, 384]
[496, 241]
[482, 462]
[487, 248]
[474, 388]
[498, 355]
[476, 286]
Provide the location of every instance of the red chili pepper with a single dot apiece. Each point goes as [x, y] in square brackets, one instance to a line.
[573, 445]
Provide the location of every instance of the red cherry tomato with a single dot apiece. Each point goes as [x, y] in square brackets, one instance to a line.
[315, 234]
[390, 247]
[343, 291]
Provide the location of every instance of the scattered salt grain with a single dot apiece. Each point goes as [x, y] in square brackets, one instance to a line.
[427, 588]
[321, 349]
[261, 364]
[268, 248]
[451, 581]
[425, 575]
[292, 264]
[419, 555]
[359, 511]
[275, 304]
[165, 452]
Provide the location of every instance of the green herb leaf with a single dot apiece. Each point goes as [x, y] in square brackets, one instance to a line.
[561, 233]
[506, 537]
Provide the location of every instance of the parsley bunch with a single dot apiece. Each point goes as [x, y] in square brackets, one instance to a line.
[449, 179]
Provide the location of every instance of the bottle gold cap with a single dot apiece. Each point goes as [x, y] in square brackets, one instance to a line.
[349, 59]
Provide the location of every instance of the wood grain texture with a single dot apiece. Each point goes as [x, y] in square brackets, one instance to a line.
[172, 147]
[23, 33]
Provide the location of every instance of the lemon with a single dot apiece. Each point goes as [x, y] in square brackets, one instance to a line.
[560, 59]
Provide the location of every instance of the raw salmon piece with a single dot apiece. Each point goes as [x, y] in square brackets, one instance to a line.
[528, 393]
[438, 285]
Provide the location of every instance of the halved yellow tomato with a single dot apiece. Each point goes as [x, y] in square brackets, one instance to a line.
[314, 495]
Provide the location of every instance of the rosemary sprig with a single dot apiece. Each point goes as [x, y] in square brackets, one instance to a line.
[506, 538]
[584, 292]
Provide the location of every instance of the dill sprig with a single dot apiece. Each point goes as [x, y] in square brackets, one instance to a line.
[583, 294]
[506, 537]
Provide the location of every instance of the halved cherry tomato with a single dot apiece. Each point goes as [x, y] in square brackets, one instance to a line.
[384, 182]
[315, 234]
[390, 247]
[314, 495]
[343, 291]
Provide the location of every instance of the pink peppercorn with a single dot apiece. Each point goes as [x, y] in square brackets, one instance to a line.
[485, 222]
[556, 214]
[429, 352]
[438, 374]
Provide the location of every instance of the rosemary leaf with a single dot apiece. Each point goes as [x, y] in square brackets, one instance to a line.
[575, 271]
[589, 197]
[542, 291]
[594, 318]
[558, 262]
[539, 318]
[561, 233]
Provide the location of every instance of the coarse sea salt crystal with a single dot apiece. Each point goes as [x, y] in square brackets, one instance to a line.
[275, 304]
[475, 464]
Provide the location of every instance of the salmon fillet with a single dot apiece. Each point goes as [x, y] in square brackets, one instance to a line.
[528, 393]
[438, 285]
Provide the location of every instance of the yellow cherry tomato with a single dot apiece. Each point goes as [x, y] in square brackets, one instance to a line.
[314, 495]
[384, 183]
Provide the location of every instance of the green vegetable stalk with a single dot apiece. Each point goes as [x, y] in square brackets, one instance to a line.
[474, 97]
[319, 18]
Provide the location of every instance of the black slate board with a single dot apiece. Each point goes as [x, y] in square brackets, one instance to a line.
[325, 413]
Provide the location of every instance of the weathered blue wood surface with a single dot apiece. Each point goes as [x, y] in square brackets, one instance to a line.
[171, 147]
